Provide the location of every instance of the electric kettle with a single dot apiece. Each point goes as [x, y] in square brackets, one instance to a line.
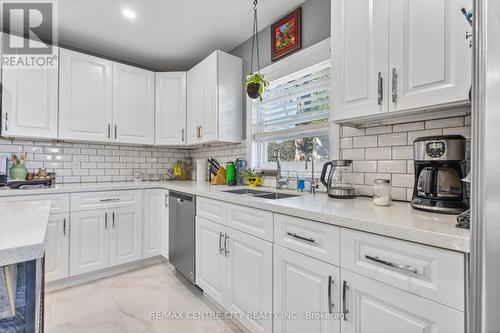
[335, 184]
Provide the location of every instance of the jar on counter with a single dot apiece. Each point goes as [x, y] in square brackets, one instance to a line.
[382, 192]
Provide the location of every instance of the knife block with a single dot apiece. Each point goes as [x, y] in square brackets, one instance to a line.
[220, 178]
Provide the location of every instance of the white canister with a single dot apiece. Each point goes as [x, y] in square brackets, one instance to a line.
[382, 192]
[201, 170]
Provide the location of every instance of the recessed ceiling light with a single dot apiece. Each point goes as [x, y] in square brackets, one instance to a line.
[129, 13]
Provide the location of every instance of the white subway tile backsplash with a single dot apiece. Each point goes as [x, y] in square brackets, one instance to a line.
[364, 166]
[379, 130]
[402, 153]
[417, 134]
[394, 139]
[463, 131]
[403, 180]
[345, 143]
[446, 122]
[383, 153]
[364, 141]
[352, 131]
[371, 177]
[398, 193]
[392, 166]
[353, 154]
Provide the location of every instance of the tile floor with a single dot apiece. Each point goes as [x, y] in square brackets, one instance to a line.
[123, 303]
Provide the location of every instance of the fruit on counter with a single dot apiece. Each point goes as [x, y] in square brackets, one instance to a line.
[178, 169]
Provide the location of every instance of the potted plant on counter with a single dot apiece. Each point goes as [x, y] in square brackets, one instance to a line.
[254, 178]
[256, 84]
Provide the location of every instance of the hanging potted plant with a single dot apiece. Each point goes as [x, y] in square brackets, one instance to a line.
[256, 84]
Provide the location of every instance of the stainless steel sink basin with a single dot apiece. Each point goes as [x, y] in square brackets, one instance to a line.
[261, 194]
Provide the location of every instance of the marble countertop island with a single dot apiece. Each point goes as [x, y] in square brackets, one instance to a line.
[23, 225]
[397, 221]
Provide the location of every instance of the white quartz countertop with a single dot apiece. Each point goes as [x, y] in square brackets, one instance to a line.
[398, 221]
[23, 225]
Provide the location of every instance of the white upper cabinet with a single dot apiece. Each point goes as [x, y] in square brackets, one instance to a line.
[359, 57]
[133, 105]
[398, 55]
[85, 97]
[170, 119]
[29, 102]
[214, 100]
[429, 55]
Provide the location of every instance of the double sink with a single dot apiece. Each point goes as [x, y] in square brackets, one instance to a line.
[261, 194]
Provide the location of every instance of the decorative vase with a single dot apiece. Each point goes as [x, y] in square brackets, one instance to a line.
[253, 90]
[18, 172]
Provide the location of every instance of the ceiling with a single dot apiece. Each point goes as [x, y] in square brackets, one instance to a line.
[166, 35]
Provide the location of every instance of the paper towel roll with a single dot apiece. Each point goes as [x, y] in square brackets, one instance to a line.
[201, 170]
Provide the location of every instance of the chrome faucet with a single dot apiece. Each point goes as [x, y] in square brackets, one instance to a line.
[314, 184]
[280, 181]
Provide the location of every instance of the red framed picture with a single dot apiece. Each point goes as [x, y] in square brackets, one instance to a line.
[286, 35]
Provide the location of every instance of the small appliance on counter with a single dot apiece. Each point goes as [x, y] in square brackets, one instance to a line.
[439, 170]
[335, 184]
[230, 174]
[241, 164]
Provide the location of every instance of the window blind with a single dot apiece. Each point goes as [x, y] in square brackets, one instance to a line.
[294, 106]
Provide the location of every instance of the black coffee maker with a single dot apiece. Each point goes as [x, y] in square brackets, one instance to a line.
[440, 167]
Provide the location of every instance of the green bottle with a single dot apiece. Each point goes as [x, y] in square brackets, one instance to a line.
[230, 174]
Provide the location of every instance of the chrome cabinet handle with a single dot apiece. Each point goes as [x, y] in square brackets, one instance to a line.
[113, 220]
[344, 300]
[64, 227]
[109, 131]
[221, 250]
[394, 85]
[166, 200]
[116, 130]
[110, 200]
[106, 221]
[6, 121]
[330, 304]
[226, 251]
[380, 89]
[294, 235]
[406, 268]
[201, 132]
[182, 135]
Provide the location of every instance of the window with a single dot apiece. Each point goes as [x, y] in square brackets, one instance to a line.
[293, 118]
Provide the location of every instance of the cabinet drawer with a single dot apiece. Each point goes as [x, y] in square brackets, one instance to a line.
[60, 202]
[258, 223]
[104, 200]
[425, 271]
[212, 210]
[314, 239]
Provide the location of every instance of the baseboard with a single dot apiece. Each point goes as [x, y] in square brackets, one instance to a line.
[100, 274]
[230, 322]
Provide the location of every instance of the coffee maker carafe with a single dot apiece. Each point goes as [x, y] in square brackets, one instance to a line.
[439, 170]
[336, 185]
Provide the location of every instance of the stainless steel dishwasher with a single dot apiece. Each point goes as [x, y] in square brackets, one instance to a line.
[182, 209]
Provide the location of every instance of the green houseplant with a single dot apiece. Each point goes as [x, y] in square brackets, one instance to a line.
[256, 84]
[254, 178]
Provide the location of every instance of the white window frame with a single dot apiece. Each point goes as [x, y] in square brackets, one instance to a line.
[291, 65]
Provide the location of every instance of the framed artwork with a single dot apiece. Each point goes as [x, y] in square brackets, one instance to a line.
[286, 35]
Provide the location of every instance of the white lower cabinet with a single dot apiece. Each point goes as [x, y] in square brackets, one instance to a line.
[303, 287]
[125, 236]
[105, 237]
[89, 241]
[57, 247]
[155, 223]
[379, 308]
[235, 270]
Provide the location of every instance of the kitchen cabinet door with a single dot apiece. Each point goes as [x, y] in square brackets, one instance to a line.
[305, 285]
[210, 259]
[57, 248]
[133, 105]
[89, 241]
[195, 103]
[170, 108]
[359, 58]
[210, 115]
[429, 58]
[154, 206]
[249, 287]
[85, 97]
[165, 227]
[30, 102]
[125, 237]
[376, 307]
